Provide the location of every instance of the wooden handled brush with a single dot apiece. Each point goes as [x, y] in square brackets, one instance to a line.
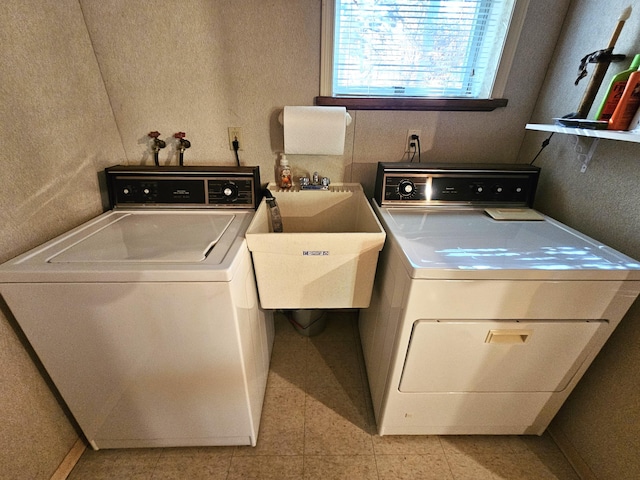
[602, 59]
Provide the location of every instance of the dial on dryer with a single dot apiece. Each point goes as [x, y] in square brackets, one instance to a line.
[406, 188]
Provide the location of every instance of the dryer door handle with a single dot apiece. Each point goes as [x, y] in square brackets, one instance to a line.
[508, 336]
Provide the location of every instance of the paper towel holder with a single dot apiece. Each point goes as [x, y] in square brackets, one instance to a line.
[347, 116]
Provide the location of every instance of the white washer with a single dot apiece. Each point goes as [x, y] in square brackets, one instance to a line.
[478, 325]
[146, 318]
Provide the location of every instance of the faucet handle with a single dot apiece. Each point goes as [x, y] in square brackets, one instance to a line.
[157, 143]
[184, 143]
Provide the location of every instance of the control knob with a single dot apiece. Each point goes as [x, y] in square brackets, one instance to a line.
[230, 191]
[406, 188]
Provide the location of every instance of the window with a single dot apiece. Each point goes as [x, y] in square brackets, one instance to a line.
[396, 51]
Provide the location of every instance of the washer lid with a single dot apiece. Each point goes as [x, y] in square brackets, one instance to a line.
[150, 238]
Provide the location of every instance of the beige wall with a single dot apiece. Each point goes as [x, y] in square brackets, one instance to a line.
[602, 416]
[57, 132]
[204, 66]
[83, 82]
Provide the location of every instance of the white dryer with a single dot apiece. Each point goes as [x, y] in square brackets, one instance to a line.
[485, 314]
[146, 318]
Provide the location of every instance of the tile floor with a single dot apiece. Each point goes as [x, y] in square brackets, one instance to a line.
[318, 423]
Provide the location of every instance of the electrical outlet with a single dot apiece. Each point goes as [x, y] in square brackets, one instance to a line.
[235, 133]
[408, 148]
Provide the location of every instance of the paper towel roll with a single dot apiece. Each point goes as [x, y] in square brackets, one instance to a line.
[314, 130]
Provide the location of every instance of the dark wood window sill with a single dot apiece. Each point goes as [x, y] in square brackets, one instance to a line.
[413, 103]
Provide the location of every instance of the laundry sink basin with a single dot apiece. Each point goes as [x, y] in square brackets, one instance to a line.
[327, 253]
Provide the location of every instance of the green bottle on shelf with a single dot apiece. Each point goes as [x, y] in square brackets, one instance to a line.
[614, 92]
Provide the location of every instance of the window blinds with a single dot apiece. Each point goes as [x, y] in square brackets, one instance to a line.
[431, 48]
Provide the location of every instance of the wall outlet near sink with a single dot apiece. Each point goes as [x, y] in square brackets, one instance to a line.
[410, 133]
[235, 133]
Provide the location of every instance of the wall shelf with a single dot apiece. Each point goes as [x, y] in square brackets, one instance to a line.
[585, 132]
[596, 135]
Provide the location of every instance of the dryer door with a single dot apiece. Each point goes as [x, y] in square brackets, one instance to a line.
[495, 356]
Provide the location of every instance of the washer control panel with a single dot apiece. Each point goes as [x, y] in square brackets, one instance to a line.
[456, 184]
[199, 187]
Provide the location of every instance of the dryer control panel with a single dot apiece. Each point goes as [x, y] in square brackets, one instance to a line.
[186, 187]
[456, 184]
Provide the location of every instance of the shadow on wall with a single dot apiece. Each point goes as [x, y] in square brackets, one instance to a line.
[13, 323]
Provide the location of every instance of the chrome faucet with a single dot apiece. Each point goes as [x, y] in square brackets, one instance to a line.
[315, 183]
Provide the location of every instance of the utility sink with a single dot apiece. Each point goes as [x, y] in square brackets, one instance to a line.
[327, 253]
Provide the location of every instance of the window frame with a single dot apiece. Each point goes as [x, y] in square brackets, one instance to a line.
[326, 98]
